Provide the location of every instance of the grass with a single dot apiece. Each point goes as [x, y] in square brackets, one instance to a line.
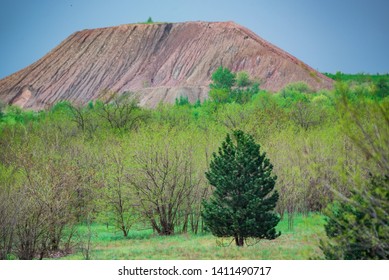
[301, 243]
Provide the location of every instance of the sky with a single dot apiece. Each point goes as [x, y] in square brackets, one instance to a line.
[351, 36]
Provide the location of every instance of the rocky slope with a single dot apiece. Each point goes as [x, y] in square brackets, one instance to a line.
[158, 61]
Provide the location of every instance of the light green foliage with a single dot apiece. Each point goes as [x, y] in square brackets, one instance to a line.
[174, 116]
[219, 95]
[320, 100]
[9, 182]
[357, 225]
[305, 164]
[65, 166]
[165, 179]
[117, 199]
[233, 117]
[298, 87]
[374, 87]
[293, 93]
[122, 112]
[307, 114]
[15, 115]
[48, 186]
[366, 123]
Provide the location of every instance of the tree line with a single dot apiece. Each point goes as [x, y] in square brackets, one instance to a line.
[114, 162]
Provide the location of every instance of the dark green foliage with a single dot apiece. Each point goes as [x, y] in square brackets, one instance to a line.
[244, 95]
[357, 78]
[222, 78]
[182, 101]
[227, 87]
[358, 227]
[243, 200]
[382, 86]
[197, 104]
[243, 79]
[149, 20]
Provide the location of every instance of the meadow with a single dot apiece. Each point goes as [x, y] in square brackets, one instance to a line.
[300, 243]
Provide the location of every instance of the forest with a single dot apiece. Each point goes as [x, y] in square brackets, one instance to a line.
[76, 180]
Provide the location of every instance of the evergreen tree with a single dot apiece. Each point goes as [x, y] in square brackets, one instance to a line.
[243, 200]
[357, 227]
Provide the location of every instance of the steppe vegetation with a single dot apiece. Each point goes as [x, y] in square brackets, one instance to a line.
[112, 180]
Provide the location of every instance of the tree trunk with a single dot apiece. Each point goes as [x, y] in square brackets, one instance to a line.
[239, 240]
[124, 230]
[167, 229]
[195, 223]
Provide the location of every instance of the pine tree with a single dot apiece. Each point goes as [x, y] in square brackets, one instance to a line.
[243, 200]
[357, 227]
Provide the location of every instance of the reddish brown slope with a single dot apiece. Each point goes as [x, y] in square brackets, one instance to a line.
[159, 61]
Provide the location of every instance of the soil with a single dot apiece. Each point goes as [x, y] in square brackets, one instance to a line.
[159, 62]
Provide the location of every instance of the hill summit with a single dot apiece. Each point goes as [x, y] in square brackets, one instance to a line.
[160, 62]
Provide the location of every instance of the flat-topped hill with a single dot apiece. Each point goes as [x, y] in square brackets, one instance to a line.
[160, 62]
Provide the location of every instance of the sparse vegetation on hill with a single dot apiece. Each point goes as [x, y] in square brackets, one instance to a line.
[159, 61]
[121, 170]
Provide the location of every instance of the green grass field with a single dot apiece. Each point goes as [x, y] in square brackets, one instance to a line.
[301, 243]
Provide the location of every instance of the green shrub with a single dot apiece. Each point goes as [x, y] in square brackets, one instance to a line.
[357, 227]
[223, 78]
[243, 79]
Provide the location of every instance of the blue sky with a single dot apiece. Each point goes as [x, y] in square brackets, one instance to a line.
[351, 36]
